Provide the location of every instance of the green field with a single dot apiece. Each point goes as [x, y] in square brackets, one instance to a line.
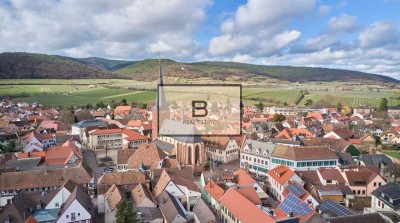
[55, 92]
[272, 96]
[352, 100]
[59, 99]
[392, 154]
[85, 91]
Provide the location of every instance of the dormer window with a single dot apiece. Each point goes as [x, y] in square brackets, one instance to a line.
[382, 194]
[258, 151]
[391, 200]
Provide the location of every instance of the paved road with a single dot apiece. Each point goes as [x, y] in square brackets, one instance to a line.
[90, 160]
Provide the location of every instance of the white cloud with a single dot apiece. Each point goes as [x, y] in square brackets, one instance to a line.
[122, 28]
[223, 45]
[378, 34]
[259, 28]
[323, 10]
[242, 58]
[342, 23]
[314, 44]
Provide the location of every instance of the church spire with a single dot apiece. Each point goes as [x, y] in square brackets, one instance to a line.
[160, 99]
[160, 77]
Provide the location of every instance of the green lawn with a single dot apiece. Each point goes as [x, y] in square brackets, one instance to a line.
[55, 100]
[392, 154]
[271, 96]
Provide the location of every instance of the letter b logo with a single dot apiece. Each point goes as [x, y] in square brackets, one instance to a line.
[196, 109]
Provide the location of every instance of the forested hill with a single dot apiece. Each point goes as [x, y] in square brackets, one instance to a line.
[30, 65]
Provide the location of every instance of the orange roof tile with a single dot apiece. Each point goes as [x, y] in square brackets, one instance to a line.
[355, 141]
[243, 178]
[243, 209]
[134, 123]
[122, 108]
[251, 194]
[132, 135]
[214, 190]
[281, 174]
[23, 155]
[58, 155]
[31, 219]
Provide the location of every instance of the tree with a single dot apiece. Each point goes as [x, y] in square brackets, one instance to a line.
[83, 115]
[353, 150]
[8, 148]
[125, 213]
[308, 102]
[124, 102]
[100, 105]
[278, 118]
[346, 110]
[394, 171]
[260, 105]
[378, 141]
[89, 106]
[285, 103]
[383, 105]
[339, 106]
[67, 117]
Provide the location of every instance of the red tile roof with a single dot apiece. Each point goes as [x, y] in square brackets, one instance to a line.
[243, 178]
[331, 174]
[132, 135]
[281, 174]
[303, 153]
[58, 155]
[243, 209]
[251, 194]
[31, 219]
[214, 190]
[148, 154]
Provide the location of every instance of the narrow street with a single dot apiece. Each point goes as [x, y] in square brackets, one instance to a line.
[90, 160]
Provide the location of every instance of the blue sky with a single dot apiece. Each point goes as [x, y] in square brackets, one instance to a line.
[349, 34]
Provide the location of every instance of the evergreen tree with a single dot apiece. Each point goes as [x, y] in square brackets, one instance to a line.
[353, 150]
[10, 147]
[339, 106]
[308, 102]
[125, 213]
[124, 102]
[384, 105]
[278, 118]
[260, 105]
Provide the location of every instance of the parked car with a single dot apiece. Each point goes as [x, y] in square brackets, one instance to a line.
[108, 170]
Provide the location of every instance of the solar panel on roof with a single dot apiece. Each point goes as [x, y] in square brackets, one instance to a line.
[295, 205]
[335, 209]
[296, 190]
[392, 192]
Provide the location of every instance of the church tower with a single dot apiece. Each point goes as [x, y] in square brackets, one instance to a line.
[159, 105]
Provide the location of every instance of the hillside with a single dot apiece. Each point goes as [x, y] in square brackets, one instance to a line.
[29, 65]
[289, 73]
[147, 70]
[105, 64]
